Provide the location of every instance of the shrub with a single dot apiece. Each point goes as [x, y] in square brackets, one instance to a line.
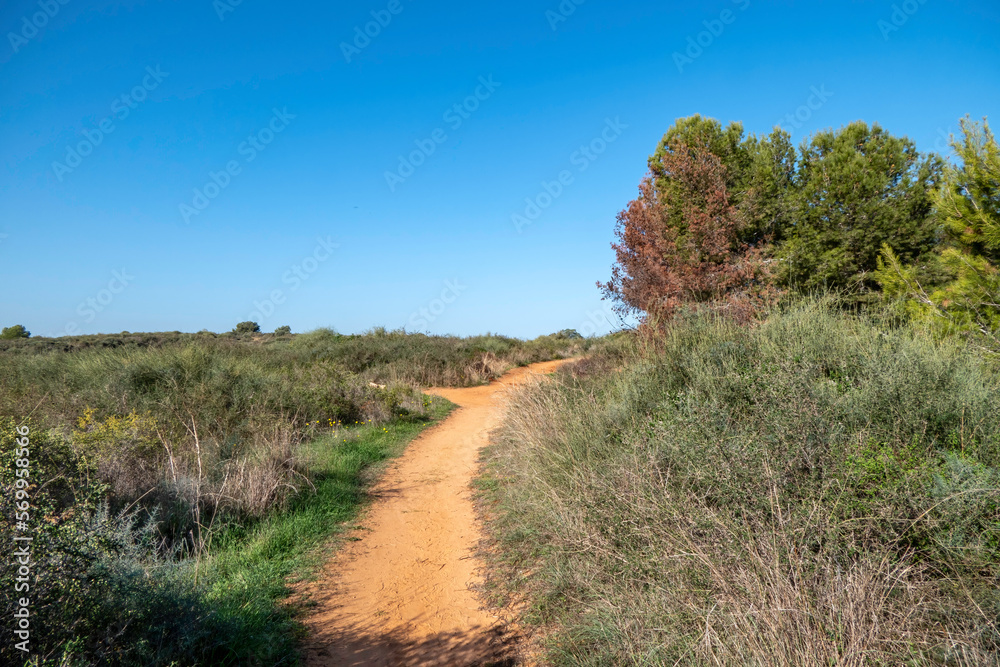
[14, 332]
[125, 451]
[818, 489]
[246, 328]
[567, 334]
[99, 594]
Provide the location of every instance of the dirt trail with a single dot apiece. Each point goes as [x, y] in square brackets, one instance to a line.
[401, 594]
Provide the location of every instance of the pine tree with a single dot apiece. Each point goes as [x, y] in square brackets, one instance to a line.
[679, 241]
[857, 189]
[14, 332]
[966, 298]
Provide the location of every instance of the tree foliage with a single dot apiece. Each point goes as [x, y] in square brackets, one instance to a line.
[963, 292]
[679, 241]
[727, 144]
[757, 171]
[246, 328]
[717, 207]
[857, 189]
[770, 177]
[14, 332]
[969, 199]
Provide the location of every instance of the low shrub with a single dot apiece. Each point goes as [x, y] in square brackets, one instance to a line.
[99, 592]
[818, 489]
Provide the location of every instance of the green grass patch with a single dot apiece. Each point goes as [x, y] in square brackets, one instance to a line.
[250, 567]
[104, 594]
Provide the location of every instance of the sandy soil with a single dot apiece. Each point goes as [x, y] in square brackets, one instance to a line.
[402, 594]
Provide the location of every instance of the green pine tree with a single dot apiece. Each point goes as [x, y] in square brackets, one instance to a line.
[857, 189]
[14, 332]
[965, 297]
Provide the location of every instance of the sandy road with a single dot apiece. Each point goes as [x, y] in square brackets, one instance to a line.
[401, 594]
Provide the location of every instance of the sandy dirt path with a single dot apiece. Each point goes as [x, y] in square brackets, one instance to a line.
[402, 594]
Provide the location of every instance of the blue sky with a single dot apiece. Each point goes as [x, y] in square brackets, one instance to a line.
[278, 140]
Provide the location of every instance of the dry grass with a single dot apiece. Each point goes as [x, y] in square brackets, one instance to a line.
[784, 495]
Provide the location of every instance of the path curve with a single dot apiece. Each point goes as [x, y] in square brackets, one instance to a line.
[402, 594]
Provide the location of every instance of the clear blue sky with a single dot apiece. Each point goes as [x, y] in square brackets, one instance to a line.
[221, 71]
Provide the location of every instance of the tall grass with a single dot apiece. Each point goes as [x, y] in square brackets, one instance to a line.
[178, 479]
[103, 593]
[818, 489]
[395, 356]
[204, 428]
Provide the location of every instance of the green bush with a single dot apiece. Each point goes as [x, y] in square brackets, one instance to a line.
[567, 334]
[246, 328]
[818, 489]
[15, 332]
[99, 593]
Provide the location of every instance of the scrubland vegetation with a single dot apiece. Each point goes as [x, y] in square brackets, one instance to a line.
[796, 459]
[177, 480]
[817, 489]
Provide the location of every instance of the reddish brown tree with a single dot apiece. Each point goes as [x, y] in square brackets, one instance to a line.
[679, 242]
